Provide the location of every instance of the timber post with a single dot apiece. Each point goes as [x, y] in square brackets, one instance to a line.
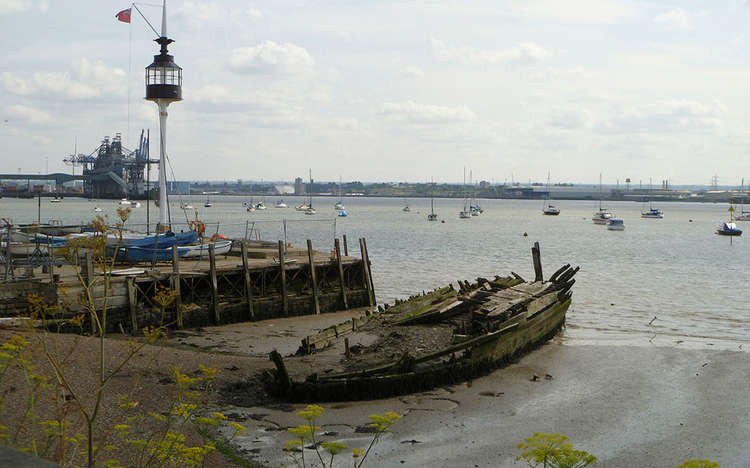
[366, 273]
[346, 247]
[88, 278]
[51, 256]
[248, 285]
[282, 375]
[536, 256]
[337, 246]
[313, 277]
[130, 282]
[214, 283]
[282, 273]
[369, 269]
[176, 285]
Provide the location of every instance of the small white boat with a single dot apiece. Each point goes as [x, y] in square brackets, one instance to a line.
[342, 214]
[186, 206]
[260, 206]
[250, 209]
[124, 201]
[135, 204]
[729, 229]
[616, 224]
[97, 209]
[281, 204]
[310, 211]
[338, 206]
[302, 207]
[464, 214]
[220, 248]
[406, 209]
[653, 213]
[551, 210]
[602, 216]
[743, 216]
[208, 203]
[56, 200]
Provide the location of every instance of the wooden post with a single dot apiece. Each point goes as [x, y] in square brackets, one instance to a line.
[313, 277]
[346, 247]
[248, 285]
[214, 283]
[282, 376]
[366, 273]
[88, 273]
[337, 246]
[282, 272]
[536, 256]
[369, 270]
[51, 257]
[130, 282]
[176, 285]
[347, 352]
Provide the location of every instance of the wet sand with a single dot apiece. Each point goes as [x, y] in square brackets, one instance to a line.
[630, 406]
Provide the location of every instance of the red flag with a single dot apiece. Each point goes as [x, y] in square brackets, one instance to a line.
[123, 16]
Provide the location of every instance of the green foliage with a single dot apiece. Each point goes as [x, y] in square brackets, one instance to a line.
[306, 433]
[696, 463]
[553, 451]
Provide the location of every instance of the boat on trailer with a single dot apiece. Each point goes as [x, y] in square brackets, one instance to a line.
[145, 254]
[442, 337]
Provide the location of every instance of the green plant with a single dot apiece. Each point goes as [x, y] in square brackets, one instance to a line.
[696, 463]
[553, 451]
[306, 434]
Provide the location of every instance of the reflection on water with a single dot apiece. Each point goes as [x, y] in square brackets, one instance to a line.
[691, 280]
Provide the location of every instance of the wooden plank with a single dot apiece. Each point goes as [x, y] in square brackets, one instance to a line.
[366, 272]
[313, 277]
[248, 285]
[342, 282]
[214, 283]
[176, 285]
[346, 247]
[133, 305]
[369, 271]
[282, 274]
[537, 258]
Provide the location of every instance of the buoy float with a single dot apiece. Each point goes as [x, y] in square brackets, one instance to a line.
[525, 234]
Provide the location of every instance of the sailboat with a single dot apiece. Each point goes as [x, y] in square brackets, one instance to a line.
[652, 213]
[310, 210]
[406, 207]
[339, 204]
[208, 203]
[281, 204]
[603, 215]
[465, 213]
[744, 215]
[432, 216]
[549, 209]
[474, 207]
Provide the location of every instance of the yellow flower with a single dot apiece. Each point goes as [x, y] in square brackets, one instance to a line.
[311, 412]
[304, 432]
[219, 416]
[356, 453]
[384, 421]
[238, 428]
[293, 443]
[334, 448]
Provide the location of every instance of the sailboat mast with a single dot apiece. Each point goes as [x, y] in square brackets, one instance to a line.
[432, 196]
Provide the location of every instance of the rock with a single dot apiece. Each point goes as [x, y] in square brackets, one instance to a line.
[547, 377]
[534, 378]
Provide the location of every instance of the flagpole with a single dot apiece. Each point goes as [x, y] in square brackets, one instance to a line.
[130, 69]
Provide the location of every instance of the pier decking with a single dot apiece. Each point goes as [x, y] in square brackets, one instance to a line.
[254, 281]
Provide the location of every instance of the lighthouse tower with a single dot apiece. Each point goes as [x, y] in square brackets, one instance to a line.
[163, 86]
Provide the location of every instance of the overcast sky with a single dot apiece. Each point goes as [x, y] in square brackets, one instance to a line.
[391, 90]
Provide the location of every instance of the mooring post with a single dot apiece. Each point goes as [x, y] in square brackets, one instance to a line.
[346, 247]
[248, 285]
[337, 246]
[347, 352]
[369, 269]
[132, 303]
[214, 283]
[366, 273]
[313, 277]
[282, 273]
[176, 285]
[51, 257]
[536, 256]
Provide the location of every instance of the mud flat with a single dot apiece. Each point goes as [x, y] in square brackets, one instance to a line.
[630, 406]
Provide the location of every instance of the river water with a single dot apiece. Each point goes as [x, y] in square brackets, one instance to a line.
[672, 280]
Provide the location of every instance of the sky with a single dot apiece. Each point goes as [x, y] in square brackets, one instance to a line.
[390, 90]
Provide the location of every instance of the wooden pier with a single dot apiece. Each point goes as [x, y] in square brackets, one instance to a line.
[254, 281]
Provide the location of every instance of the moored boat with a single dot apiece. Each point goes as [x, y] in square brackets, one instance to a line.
[729, 229]
[616, 224]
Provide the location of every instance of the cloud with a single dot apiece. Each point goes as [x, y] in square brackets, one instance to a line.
[271, 58]
[676, 18]
[570, 119]
[582, 11]
[676, 115]
[574, 73]
[30, 114]
[412, 112]
[412, 72]
[88, 80]
[17, 6]
[525, 53]
[253, 13]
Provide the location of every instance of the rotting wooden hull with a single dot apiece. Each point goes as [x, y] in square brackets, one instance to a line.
[493, 350]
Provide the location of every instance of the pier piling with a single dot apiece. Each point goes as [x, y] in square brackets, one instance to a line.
[536, 255]
[337, 246]
[313, 277]
[176, 285]
[282, 274]
[246, 278]
[214, 283]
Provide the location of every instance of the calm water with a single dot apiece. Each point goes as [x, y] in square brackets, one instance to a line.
[693, 281]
